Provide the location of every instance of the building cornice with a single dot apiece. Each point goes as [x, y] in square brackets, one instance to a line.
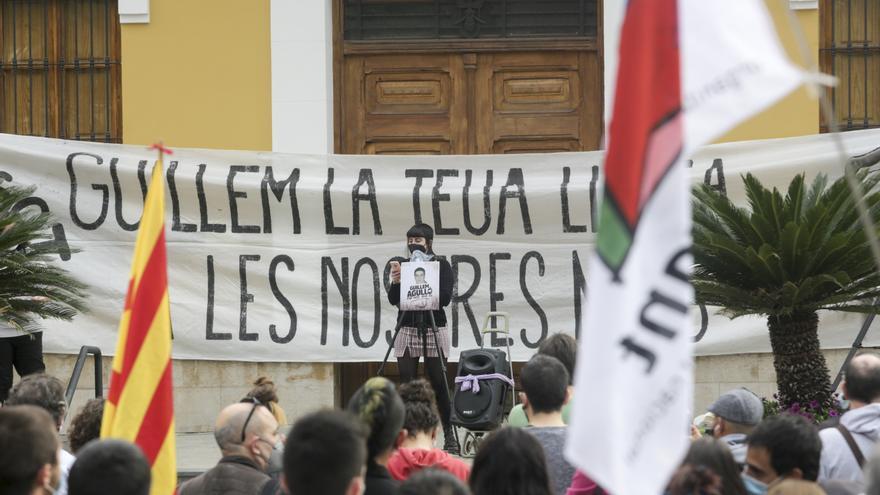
[134, 11]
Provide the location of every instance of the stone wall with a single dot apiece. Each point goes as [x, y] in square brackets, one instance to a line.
[203, 387]
[715, 375]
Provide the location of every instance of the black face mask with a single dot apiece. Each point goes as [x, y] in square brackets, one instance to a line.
[415, 247]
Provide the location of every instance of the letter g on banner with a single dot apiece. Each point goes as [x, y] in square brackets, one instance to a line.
[105, 194]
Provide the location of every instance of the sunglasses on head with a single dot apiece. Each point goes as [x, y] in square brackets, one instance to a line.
[256, 402]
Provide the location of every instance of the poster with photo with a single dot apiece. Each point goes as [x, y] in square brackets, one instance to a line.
[419, 284]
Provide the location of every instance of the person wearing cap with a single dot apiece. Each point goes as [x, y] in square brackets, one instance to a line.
[737, 412]
[409, 346]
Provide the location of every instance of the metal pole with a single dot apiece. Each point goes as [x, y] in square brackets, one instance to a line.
[443, 368]
[84, 351]
[857, 344]
[391, 344]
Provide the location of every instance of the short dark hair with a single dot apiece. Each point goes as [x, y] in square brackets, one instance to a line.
[109, 466]
[510, 461]
[563, 347]
[41, 390]
[86, 425]
[421, 230]
[29, 441]
[715, 457]
[432, 481]
[545, 383]
[324, 451]
[421, 406]
[379, 406]
[863, 379]
[419, 269]
[792, 442]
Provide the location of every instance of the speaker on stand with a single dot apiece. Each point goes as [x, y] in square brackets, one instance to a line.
[479, 405]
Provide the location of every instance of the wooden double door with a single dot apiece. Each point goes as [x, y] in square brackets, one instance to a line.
[471, 102]
[465, 102]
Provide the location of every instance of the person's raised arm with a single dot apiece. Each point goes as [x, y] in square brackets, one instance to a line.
[394, 290]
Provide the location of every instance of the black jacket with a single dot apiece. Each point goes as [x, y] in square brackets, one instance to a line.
[447, 280]
[379, 481]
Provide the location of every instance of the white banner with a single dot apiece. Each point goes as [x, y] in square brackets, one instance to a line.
[280, 257]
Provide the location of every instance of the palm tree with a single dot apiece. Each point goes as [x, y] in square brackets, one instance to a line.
[31, 285]
[787, 257]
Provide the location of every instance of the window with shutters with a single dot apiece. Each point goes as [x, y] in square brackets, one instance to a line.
[850, 50]
[60, 69]
[450, 19]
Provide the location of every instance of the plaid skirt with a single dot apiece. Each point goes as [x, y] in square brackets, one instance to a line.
[409, 339]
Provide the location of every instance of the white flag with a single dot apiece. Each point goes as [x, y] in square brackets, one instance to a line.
[689, 70]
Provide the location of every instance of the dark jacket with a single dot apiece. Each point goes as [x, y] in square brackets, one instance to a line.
[233, 475]
[378, 480]
[447, 280]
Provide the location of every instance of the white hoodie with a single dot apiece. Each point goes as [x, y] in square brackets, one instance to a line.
[838, 461]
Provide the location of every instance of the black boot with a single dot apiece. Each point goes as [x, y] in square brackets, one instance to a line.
[450, 441]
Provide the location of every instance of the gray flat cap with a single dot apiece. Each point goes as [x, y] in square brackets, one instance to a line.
[739, 406]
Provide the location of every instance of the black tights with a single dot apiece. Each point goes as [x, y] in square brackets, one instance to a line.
[408, 367]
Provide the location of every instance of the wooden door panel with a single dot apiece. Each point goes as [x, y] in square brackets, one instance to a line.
[537, 102]
[517, 91]
[478, 103]
[400, 147]
[408, 104]
[407, 93]
[533, 126]
[536, 146]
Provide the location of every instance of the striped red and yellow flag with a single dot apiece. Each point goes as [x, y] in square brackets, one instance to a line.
[140, 405]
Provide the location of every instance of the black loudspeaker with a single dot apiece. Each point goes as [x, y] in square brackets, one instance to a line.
[484, 410]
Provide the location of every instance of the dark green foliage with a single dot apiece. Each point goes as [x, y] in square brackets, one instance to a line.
[31, 284]
[787, 257]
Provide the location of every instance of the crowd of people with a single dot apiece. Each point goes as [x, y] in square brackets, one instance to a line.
[386, 442]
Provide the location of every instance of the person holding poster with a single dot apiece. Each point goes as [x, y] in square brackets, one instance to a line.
[419, 286]
[416, 340]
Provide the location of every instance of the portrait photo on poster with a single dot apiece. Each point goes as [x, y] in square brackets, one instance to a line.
[420, 284]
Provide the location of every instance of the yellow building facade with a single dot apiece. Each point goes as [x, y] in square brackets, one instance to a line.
[198, 75]
[208, 83]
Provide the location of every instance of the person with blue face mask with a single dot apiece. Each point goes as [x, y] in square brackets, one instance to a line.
[781, 447]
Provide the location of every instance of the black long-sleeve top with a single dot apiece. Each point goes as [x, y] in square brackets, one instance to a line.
[447, 279]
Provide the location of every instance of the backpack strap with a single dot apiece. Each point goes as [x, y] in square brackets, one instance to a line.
[853, 446]
[271, 487]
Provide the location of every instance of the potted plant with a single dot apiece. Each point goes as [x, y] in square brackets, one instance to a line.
[787, 257]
